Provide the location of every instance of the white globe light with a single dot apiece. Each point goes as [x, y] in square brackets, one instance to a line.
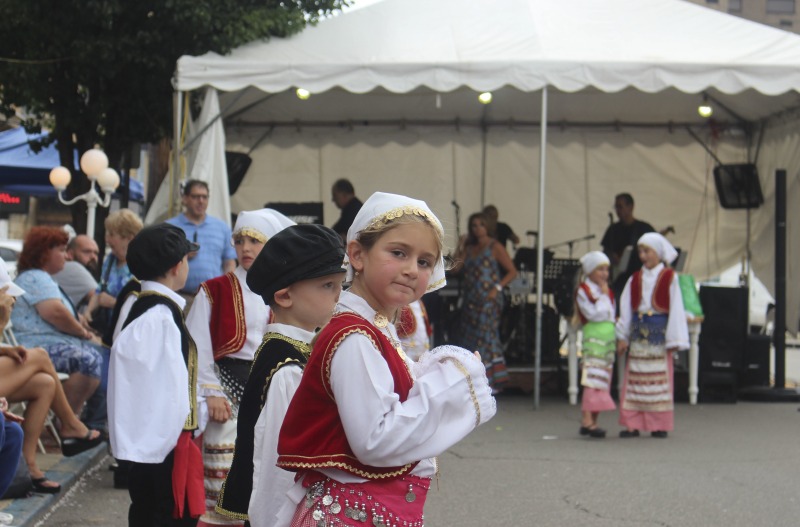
[60, 178]
[485, 97]
[92, 162]
[108, 179]
[705, 110]
[302, 94]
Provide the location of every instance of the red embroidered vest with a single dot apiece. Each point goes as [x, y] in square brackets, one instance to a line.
[312, 435]
[660, 299]
[592, 299]
[227, 325]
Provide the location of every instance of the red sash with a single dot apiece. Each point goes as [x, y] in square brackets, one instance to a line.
[228, 329]
[187, 478]
[660, 299]
[592, 299]
[312, 435]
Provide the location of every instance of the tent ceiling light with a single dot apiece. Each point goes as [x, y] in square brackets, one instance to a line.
[303, 94]
[705, 110]
[485, 97]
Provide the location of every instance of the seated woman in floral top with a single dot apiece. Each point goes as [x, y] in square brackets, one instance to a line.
[44, 316]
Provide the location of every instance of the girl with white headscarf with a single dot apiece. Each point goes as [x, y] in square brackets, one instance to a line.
[651, 327]
[364, 427]
[596, 310]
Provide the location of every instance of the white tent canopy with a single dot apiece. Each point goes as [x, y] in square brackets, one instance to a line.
[528, 44]
[394, 108]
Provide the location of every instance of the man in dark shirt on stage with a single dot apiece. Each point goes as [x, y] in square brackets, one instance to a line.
[344, 196]
[498, 230]
[618, 236]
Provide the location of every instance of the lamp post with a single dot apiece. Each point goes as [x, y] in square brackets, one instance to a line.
[94, 164]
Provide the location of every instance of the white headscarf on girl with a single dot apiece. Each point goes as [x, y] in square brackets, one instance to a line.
[382, 207]
[592, 260]
[260, 224]
[666, 252]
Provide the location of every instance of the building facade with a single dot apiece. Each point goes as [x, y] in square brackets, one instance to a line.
[777, 13]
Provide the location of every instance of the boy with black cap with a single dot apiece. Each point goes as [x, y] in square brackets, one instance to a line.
[152, 406]
[299, 274]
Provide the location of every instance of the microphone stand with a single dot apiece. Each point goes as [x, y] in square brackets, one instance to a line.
[570, 243]
[458, 220]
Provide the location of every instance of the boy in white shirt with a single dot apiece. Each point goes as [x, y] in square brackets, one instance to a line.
[152, 404]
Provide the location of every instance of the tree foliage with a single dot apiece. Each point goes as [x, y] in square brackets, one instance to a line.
[98, 72]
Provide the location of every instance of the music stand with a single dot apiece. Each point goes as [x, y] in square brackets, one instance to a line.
[525, 258]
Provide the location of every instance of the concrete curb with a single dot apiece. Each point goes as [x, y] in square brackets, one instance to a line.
[66, 471]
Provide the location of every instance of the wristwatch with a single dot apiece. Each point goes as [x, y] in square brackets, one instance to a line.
[498, 287]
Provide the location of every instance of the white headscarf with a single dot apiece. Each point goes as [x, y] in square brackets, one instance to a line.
[592, 260]
[666, 252]
[260, 224]
[382, 207]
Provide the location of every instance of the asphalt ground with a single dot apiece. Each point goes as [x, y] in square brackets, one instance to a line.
[725, 464]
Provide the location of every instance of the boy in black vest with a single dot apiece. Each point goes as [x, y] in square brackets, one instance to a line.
[299, 274]
[152, 404]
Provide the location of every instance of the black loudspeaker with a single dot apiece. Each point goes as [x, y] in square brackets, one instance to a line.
[738, 186]
[723, 335]
[755, 364]
[723, 338]
[237, 164]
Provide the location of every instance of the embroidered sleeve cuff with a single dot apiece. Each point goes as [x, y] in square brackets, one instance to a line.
[211, 390]
[473, 371]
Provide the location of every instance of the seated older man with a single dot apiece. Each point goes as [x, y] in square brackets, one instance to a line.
[76, 279]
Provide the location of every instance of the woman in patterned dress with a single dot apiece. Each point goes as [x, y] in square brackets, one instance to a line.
[481, 259]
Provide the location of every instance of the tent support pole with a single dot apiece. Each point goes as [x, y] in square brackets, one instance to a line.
[177, 114]
[540, 253]
[484, 139]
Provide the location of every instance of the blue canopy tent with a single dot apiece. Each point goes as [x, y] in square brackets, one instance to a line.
[27, 172]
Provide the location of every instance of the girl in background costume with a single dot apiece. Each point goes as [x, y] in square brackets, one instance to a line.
[414, 329]
[227, 322]
[595, 309]
[366, 422]
[651, 326]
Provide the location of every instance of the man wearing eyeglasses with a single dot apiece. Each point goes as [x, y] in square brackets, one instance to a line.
[216, 255]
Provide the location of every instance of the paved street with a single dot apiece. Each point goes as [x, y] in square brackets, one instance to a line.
[726, 465]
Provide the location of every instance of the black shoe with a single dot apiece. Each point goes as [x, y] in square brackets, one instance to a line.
[40, 487]
[584, 431]
[72, 446]
[598, 433]
[660, 434]
[629, 433]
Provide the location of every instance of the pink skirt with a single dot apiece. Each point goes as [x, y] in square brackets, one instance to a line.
[397, 501]
[595, 400]
[649, 421]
